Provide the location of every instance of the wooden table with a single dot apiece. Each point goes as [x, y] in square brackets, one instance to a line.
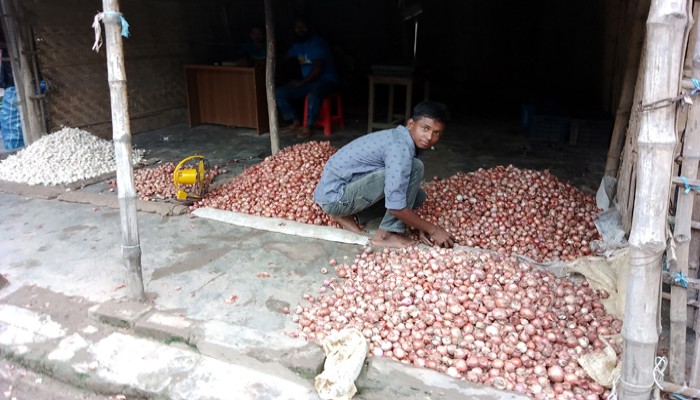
[225, 95]
[392, 118]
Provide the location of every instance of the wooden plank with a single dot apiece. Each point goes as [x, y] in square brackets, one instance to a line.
[678, 313]
[694, 269]
[693, 224]
[692, 156]
[682, 231]
[626, 177]
[691, 303]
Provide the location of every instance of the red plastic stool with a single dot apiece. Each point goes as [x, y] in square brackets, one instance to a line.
[325, 116]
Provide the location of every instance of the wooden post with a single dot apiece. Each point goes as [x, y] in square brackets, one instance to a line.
[20, 59]
[694, 265]
[633, 49]
[121, 133]
[270, 77]
[660, 73]
[37, 97]
[616, 34]
[627, 176]
[627, 130]
[681, 232]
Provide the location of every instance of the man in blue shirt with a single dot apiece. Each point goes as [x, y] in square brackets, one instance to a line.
[384, 165]
[319, 78]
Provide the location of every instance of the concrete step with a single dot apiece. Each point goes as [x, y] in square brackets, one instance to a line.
[123, 347]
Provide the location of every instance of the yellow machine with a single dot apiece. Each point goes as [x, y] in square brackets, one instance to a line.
[191, 183]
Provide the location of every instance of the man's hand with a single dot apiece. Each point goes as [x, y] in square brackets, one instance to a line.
[439, 237]
[430, 234]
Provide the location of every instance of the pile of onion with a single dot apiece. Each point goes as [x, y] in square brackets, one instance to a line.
[156, 183]
[482, 317]
[515, 211]
[506, 209]
[280, 186]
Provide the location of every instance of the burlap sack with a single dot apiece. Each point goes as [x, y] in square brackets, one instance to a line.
[603, 366]
[608, 273]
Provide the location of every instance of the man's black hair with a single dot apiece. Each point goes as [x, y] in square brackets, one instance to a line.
[431, 109]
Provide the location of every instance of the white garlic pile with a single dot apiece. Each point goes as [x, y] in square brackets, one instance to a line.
[66, 156]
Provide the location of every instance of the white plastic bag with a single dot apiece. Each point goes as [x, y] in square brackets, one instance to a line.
[345, 353]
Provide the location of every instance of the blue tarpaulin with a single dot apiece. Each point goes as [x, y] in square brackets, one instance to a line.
[10, 121]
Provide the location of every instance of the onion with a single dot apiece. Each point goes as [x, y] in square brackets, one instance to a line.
[555, 373]
[405, 304]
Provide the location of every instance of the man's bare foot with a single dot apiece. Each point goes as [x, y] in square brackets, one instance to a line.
[390, 239]
[349, 223]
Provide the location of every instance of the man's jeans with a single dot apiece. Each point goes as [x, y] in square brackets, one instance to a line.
[317, 89]
[362, 197]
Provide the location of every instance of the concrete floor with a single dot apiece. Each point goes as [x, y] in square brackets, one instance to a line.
[196, 266]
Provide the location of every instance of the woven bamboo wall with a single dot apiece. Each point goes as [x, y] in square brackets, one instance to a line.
[78, 93]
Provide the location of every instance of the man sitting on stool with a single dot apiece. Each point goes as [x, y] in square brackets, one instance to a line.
[319, 79]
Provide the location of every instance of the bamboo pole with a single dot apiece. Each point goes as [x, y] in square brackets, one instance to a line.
[270, 77]
[21, 70]
[631, 61]
[666, 26]
[121, 131]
